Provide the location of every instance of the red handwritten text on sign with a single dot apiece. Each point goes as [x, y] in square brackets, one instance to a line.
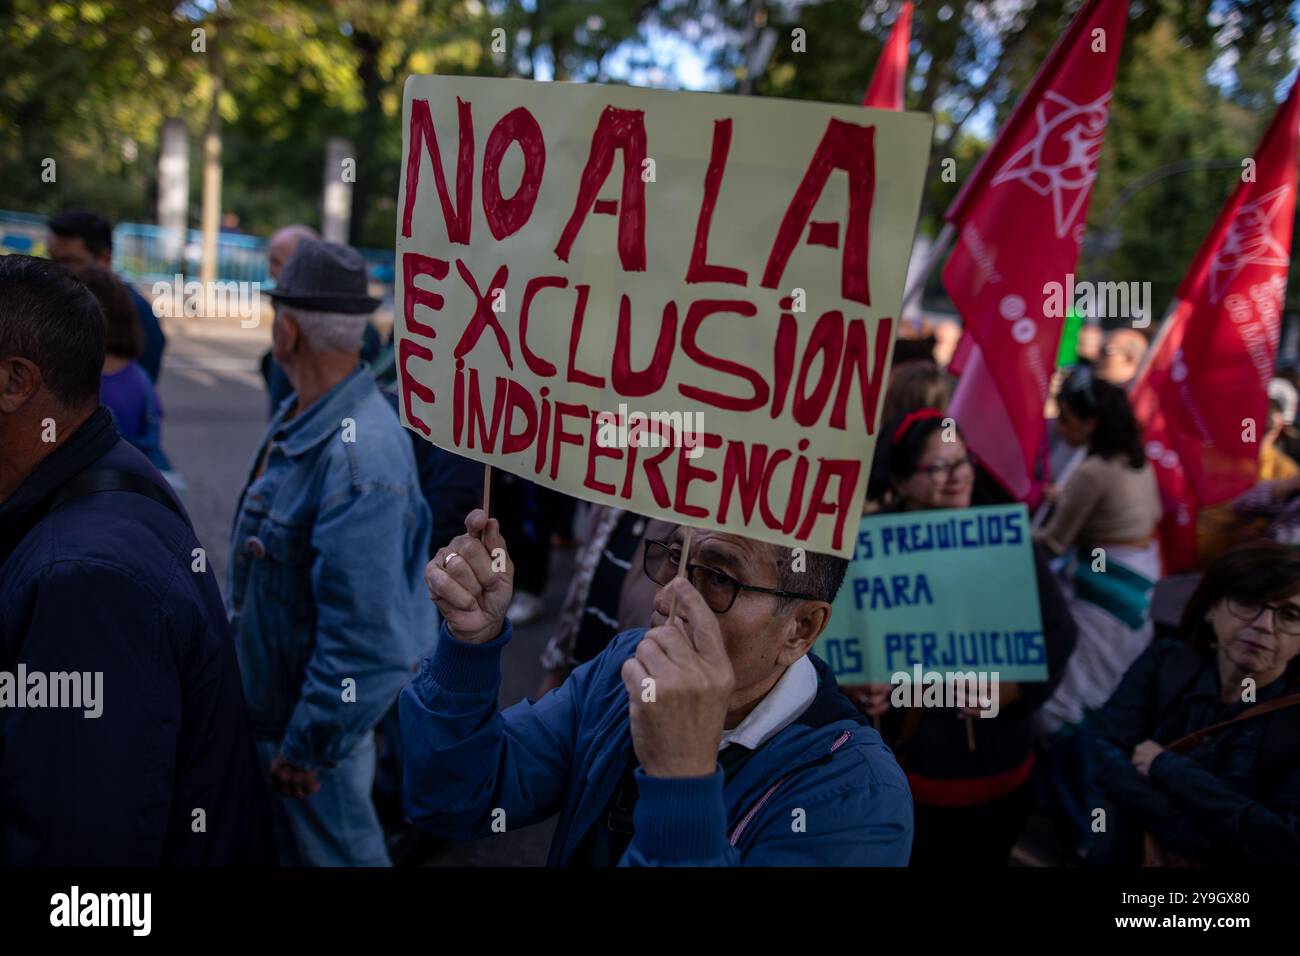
[569, 253]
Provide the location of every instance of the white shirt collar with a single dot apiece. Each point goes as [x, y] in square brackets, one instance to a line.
[788, 698]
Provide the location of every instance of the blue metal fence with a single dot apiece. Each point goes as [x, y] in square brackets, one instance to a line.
[148, 253]
[22, 232]
[144, 253]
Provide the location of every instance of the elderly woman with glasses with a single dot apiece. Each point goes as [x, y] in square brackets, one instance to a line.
[970, 804]
[1200, 746]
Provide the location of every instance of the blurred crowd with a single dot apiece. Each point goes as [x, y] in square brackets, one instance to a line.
[334, 701]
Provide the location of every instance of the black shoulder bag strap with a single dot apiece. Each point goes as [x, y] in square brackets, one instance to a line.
[1280, 748]
[90, 482]
[96, 480]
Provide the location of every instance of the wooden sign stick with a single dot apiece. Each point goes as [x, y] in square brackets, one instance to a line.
[487, 498]
[681, 573]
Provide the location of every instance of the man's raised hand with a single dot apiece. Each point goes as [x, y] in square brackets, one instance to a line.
[679, 685]
[471, 580]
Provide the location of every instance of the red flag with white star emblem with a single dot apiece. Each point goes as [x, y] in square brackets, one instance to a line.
[1019, 221]
[1202, 398]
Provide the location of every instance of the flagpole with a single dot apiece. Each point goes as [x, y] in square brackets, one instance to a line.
[1165, 327]
[940, 246]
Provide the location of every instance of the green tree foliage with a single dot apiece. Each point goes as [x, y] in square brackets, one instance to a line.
[301, 73]
[89, 84]
[85, 84]
[1165, 116]
[1198, 81]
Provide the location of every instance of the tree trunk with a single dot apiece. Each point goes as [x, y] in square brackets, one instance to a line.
[211, 218]
[369, 128]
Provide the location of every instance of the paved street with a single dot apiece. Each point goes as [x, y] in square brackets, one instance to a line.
[215, 408]
[215, 412]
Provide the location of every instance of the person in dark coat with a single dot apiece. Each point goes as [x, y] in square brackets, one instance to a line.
[451, 484]
[79, 238]
[123, 733]
[1224, 797]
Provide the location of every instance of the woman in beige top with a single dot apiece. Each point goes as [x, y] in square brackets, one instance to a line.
[1103, 531]
[1103, 527]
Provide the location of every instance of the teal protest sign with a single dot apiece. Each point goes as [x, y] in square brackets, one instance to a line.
[950, 591]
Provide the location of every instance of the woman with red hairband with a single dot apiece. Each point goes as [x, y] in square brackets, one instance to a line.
[970, 804]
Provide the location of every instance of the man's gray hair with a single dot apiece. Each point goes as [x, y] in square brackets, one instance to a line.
[330, 331]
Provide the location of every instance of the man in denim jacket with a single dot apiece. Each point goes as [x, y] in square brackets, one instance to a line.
[325, 594]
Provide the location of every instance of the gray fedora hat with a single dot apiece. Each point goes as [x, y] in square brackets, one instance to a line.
[325, 277]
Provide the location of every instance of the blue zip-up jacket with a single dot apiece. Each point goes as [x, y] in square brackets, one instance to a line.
[326, 579]
[468, 761]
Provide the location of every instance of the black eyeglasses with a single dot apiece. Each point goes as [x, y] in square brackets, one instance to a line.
[940, 472]
[718, 590]
[1286, 617]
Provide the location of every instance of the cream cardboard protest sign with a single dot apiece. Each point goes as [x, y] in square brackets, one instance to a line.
[677, 303]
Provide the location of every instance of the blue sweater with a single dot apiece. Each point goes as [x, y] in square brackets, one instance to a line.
[824, 791]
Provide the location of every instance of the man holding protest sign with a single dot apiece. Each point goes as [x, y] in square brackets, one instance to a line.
[680, 305]
[712, 738]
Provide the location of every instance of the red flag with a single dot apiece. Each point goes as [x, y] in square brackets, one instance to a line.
[1019, 221]
[1177, 529]
[1202, 398]
[886, 89]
